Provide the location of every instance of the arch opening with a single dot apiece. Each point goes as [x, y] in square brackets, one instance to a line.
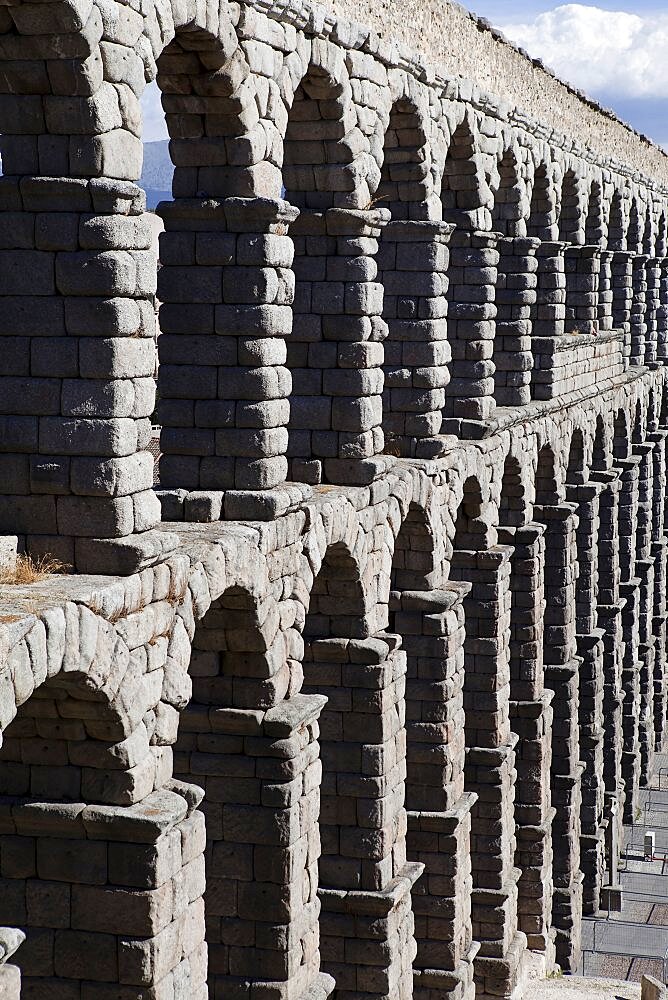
[595, 229]
[86, 754]
[570, 213]
[240, 672]
[412, 260]
[616, 236]
[526, 694]
[621, 444]
[404, 177]
[362, 818]
[461, 185]
[600, 460]
[542, 210]
[513, 360]
[576, 471]
[478, 561]
[561, 672]
[638, 425]
[211, 438]
[336, 313]
[472, 277]
[635, 231]
[507, 214]
[547, 490]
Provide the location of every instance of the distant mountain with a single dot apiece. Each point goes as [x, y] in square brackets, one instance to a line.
[156, 177]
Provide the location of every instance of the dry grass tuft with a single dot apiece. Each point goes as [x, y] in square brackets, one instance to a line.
[117, 615]
[176, 596]
[376, 199]
[29, 570]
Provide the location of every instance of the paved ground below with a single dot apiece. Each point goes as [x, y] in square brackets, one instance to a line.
[581, 988]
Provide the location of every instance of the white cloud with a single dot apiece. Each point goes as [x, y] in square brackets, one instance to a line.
[599, 50]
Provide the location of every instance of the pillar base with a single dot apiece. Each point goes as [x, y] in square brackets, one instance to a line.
[592, 862]
[647, 654]
[10, 982]
[534, 850]
[322, 988]
[614, 820]
[10, 975]
[373, 933]
[500, 977]
[659, 624]
[441, 902]
[612, 898]
[631, 775]
[118, 865]
[438, 984]
[567, 908]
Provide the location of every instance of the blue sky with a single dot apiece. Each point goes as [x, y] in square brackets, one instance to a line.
[615, 50]
[509, 10]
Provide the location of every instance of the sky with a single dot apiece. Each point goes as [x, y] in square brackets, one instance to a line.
[614, 50]
[617, 52]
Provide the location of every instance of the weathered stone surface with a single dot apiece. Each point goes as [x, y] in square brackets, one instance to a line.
[402, 638]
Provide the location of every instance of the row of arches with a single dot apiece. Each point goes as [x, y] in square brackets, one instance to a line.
[371, 368]
[421, 164]
[426, 169]
[320, 316]
[497, 725]
[388, 743]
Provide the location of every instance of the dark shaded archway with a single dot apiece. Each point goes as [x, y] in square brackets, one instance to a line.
[542, 211]
[413, 262]
[362, 815]
[477, 559]
[529, 708]
[562, 676]
[334, 427]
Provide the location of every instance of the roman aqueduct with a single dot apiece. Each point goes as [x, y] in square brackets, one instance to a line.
[356, 702]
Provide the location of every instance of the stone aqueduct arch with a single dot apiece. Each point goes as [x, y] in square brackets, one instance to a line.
[353, 708]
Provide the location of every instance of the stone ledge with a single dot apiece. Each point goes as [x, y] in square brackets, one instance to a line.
[431, 602]
[368, 902]
[142, 823]
[535, 832]
[124, 556]
[562, 672]
[449, 981]
[507, 417]
[491, 757]
[446, 822]
[568, 341]
[273, 725]
[322, 988]
[532, 709]
[210, 506]
[293, 713]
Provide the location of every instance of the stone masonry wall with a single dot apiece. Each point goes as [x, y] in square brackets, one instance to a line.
[100, 850]
[354, 702]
